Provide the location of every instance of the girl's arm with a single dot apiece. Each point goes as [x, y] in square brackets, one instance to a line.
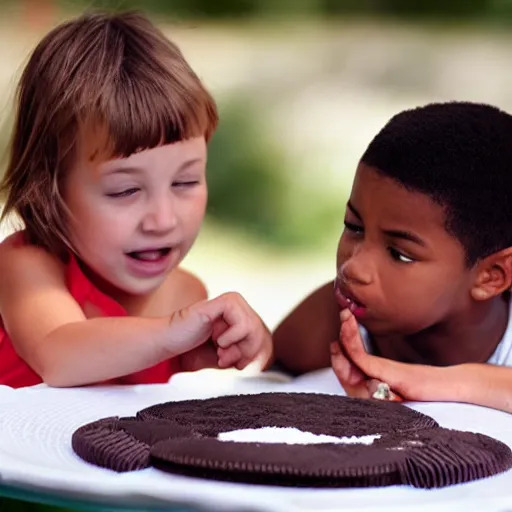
[50, 332]
[192, 290]
[302, 340]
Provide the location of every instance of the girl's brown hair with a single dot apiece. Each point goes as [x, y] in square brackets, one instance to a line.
[114, 71]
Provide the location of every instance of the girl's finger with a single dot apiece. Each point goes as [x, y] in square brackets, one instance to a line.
[228, 357]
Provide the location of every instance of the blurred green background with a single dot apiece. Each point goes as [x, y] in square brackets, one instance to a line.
[302, 87]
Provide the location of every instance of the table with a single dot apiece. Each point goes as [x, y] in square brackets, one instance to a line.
[19, 500]
[37, 463]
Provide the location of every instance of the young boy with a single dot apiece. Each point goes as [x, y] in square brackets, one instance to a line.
[424, 265]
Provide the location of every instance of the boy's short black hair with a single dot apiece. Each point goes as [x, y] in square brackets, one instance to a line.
[460, 155]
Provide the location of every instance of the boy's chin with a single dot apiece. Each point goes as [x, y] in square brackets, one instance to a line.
[386, 327]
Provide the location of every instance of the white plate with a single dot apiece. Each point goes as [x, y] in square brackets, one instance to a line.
[36, 425]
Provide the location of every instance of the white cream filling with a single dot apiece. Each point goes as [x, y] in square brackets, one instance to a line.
[290, 435]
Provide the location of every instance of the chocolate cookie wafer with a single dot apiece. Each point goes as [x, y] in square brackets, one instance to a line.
[189, 437]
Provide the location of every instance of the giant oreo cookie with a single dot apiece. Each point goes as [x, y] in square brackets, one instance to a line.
[188, 437]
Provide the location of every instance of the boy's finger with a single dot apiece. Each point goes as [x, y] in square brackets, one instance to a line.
[381, 391]
[345, 371]
[358, 391]
[393, 372]
[350, 335]
[339, 362]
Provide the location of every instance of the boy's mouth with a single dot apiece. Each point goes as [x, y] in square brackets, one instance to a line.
[346, 300]
[150, 254]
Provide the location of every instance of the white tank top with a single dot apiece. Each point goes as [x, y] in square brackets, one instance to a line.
[502, 356]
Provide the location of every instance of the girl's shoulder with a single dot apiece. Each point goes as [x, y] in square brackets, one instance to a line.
[14, 240]
[21, 259]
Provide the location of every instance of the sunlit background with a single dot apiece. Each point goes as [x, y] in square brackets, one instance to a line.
[302, 86]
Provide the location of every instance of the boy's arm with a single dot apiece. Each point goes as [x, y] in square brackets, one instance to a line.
[302, 340]
[480, 384]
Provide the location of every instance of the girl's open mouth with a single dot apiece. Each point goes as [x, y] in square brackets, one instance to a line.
[150, 262]
[150, 254]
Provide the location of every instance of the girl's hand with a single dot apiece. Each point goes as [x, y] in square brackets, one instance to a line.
[199, 358]
[235, 328]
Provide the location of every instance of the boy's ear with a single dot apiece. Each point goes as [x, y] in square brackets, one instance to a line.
[493, 275]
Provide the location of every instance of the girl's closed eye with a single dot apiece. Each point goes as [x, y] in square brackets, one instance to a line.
[123, 193]
[185, 183]
[399, 256]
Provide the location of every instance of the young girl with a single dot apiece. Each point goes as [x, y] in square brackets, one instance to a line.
[107, 173]
[424, 265]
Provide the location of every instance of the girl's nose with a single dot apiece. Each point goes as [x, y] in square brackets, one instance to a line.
[161, 217]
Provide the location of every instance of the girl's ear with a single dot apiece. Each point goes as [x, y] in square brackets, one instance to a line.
[494, 275]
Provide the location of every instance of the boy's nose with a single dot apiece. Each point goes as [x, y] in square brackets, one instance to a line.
[355, 272]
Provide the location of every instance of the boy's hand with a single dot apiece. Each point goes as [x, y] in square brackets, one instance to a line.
[354, 379]
[351, 378]
[235, 328]
[408, 381]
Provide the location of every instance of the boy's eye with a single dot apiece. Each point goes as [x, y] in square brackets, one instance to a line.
[189, 183]
[124, 193]
[354, 228]
[398, 256]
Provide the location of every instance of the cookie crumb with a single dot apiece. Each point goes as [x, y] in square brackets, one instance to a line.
[383, 392]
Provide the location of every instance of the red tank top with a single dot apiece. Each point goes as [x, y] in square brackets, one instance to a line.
[16, 373]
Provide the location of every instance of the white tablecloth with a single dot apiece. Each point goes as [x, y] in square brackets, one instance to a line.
[36, 425]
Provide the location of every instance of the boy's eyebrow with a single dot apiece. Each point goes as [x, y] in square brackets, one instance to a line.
[404, 235]
[392, 233]
[354, 211]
